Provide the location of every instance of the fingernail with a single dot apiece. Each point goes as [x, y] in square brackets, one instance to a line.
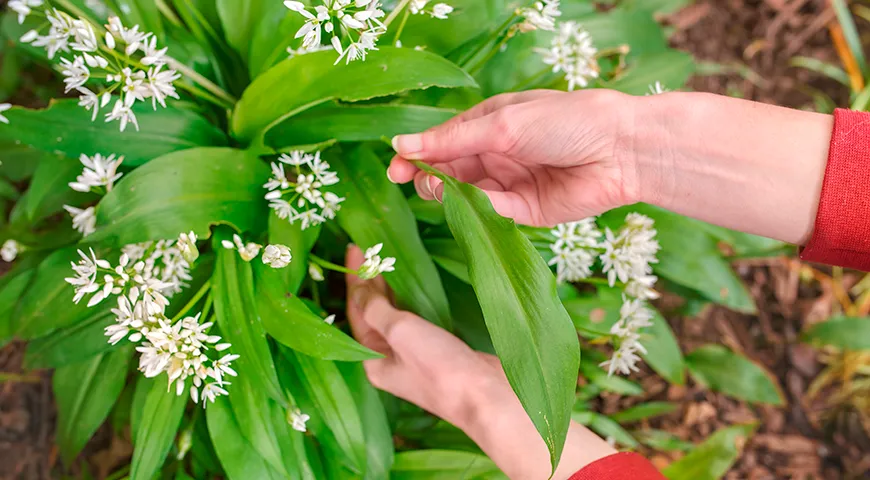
[435, 186]
[409, 146]
[439, 193]
[390, 178]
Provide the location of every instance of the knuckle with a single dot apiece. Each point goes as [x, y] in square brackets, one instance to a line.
[504, 124]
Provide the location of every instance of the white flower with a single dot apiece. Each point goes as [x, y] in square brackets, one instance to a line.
[573, 249]
[153, 55]
[161, 86]
[296, 158]
[212, 391]
[122, 112]
[30, 36]
[541, 16]
[630, 252]
[314, 205]
[85, 40]
[283, 209]
[416, 6]
[278, 180]
[3, 108]
[9, 250]
[187, 246]
[99, 171]
[277, 256]
[642, 287]
[315, 272]
[247, 252]
[297, 419]
[23, 8]
[374, 265]
[358, 22]
[84, 220]
[132, 37]
[441, 10]
[91, 100]
[330, 319]
[85, 281]
[571, 51]
[76, 73]
[657, 89]
[634, 315]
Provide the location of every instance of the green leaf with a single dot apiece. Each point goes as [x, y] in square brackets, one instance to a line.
[605, 427]
[47, 303]
[334, 404]
[472, 18]
[847, 333]
[595, 375]
[530, 329]
[72, 344]
[144, 14]
[689, 256]
[300, 242]
[84, 393]
[663, 353]
[712, 459]
[376, 212]
[184, 191]
[447, 254]
[67, 128]
[239, 20]
[19, 161]
[643, 411]
[289, 321]
[12, 287]
[376, 428]
[157, 423]
[269, 100]
[236, 313]
[239, 459]
[354, 123]
[438, 464]
[49, 189]
[722, 370]
[672, 68]
[662, 440]
[273, 33]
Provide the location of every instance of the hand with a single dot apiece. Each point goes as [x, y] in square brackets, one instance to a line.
[543, 157]
[426, 365]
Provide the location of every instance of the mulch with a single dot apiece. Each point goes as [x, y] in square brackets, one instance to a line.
[807, 439]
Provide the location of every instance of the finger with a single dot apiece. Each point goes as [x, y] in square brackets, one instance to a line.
[421, 183]
[368, 309]
[450, 141]
[499, 101]
[510, 205]
[401, 170]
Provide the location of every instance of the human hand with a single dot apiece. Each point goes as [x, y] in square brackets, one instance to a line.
[543, 157]
[426, 365]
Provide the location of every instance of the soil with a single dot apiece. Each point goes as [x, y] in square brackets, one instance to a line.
[811, 438]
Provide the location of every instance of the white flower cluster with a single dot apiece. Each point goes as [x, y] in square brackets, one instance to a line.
[84, 220]
[439, 10]
[629, 255]
[136, 72]
[575, 249]
[657, 89]
[374, 265]
[633, 315]
[308, 202]
[9, 251]
[356, 22]
[275, 256]
[3, 108]
[145, 278]
[248, 251]
[571, 51]
[297, 419]
[99, 172]
[541, 16]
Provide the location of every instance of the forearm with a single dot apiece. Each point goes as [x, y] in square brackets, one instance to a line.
[742, 165]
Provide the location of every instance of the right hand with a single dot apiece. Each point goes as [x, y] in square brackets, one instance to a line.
[543, 157]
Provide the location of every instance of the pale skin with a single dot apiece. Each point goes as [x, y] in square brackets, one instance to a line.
[547, 157]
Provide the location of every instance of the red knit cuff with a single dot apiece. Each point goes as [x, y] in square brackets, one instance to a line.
[619, 466]
[842, 229]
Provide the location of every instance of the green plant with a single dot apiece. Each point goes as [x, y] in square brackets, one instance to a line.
[278, 162]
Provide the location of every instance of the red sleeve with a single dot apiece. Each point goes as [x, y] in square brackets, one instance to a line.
[619, 466]
[842, 230]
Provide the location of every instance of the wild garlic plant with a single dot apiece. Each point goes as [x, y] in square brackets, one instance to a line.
[271, 166]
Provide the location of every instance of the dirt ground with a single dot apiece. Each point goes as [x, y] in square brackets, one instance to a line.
[801, 441]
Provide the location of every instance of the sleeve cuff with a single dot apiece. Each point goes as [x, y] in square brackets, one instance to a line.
[619, 466]
[842, 230]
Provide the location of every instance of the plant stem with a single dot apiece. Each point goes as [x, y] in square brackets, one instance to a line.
[198, 92]
[76, 11]
[315, 292]
[329, 265]
[193, 301]
[168, 13]
[402, 26]
[392, 16]
[495, 34]
[202, 81]
[492, 53]
[122, 473]
[206, 309]
[533, 80]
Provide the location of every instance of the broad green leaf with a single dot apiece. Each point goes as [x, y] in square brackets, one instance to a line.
[662, 440]
[464, 305]
[663, 353]
[71, 344]
[672, 68]
[269, 100]
[354, 123]
[378, 437]
[334, 402]
[184, 191]
[847, 333]
[49, 188]
[712, 459]
[239, 459]
[18, 161]
[689, 256]
[47, 304]
[67, 128]
[639, 30]
[300, 242]
[271, 36]
[376, 212]
[438, 464]
[289, 321]
[530, 329]
[144, 14]
[84, 393]
[722, 370]
[643, 411]
[605, 427]
[427, 211]
[236, 313]
[447, 254]
[471, 18]
[157, 423]
[239, 19]
[597, 376]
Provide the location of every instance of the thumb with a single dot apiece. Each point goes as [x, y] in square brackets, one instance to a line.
[452, 140]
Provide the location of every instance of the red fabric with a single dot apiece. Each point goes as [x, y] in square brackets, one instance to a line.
[619, 466]
[842, 230]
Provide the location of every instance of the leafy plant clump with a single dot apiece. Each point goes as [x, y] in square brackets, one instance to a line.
[176, 230]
